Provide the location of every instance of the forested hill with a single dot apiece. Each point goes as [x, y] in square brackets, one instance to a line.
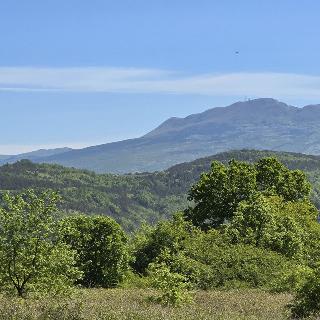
[133, 198]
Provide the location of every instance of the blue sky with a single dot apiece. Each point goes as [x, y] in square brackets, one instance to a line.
[77, 73]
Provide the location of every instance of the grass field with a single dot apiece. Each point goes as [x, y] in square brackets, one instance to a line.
[133, 304]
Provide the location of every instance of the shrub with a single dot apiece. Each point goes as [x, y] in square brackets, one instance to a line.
[173, 286]
[291, 279]
[149, 243]
[219, 263]
[208, 261]
[286, 227]
[133, 280]
[307, 300]
[102, 250]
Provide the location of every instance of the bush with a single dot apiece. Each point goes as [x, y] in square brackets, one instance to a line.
[291, 279]
[219, 263]
[289, 228]
[150, 242]
[133, 280]
[102, 250]
[208, 261]
[307, 300]
[174, 286]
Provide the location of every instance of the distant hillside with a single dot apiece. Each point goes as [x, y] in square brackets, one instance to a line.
[262, 124]
[33, 155]
[3, 157]
[133, 198]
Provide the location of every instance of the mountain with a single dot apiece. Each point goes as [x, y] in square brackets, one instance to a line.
[263, 124]
[133, 198]
[4, 157]
[33, 155]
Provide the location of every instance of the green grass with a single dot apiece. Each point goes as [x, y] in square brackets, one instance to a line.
[133, 304]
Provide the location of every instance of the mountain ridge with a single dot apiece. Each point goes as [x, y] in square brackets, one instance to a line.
[34, 155]
[260, 124]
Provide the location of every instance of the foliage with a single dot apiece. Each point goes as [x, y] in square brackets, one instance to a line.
[219, 192]
[151, 241]
[133, 280]
[307, 300]
[136, 198]
[265, 231]
[213, 262]
[274, 178]
[208, 260]
[31, 256]
[288, 228]
[291, 279]
[173, 286]
[270, 223]
[101, 245]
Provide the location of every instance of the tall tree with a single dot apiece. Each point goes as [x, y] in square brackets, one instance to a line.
[31, 257]
[218, 193]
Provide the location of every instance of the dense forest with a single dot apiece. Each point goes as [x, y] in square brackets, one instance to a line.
[133, 198]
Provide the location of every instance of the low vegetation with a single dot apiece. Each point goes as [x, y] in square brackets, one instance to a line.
[134, 304]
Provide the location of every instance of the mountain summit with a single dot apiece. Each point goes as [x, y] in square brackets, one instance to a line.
[258, 111]
[255, 124]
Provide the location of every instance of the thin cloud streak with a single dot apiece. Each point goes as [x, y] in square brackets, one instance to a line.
[135, 80]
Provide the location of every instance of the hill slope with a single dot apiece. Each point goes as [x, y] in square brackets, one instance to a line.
[132, 198]
[33, 155]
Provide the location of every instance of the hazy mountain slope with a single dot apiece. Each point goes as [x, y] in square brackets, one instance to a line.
[3, 157]
[132, 198]
[34, 155]
[256, 124]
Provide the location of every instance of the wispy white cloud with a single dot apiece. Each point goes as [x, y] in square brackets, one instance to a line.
[133, 80]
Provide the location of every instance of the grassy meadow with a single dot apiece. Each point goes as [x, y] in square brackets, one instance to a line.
[135, 304]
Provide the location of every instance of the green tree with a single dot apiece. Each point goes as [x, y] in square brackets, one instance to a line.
[150, 242]
[101, 245]
[272, 223]
[275, 178]
[31, 257]
[218, 193]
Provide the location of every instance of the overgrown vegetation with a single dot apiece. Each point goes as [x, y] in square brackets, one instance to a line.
[248, 227]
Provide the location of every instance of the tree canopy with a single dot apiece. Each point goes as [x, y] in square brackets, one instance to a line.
[31, 256]
[101, 245]
[218, 193]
